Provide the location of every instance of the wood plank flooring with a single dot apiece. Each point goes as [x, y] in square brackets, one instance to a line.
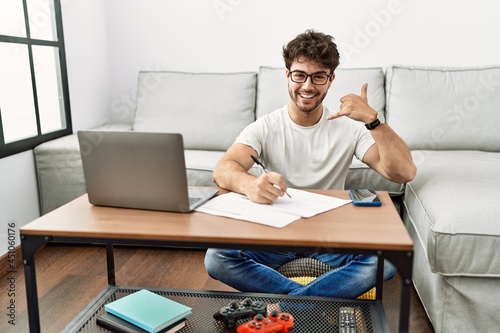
[70, 276]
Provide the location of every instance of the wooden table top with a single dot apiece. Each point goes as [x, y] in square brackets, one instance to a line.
[374, 228]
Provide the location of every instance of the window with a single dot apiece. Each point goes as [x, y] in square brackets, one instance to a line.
[34, 99]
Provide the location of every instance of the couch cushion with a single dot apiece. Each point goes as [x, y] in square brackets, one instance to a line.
[209, 110]
[200, 165]
[272, 88]
[453, 206]
[445, 108]
[59, 172]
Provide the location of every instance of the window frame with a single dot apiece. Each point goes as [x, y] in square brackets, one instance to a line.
[18, 146]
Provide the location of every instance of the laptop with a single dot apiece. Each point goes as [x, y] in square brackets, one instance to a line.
[138, 170]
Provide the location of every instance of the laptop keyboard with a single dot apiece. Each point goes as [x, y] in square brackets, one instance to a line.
[193, 200]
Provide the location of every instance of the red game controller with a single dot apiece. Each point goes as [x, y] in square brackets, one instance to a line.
[274, 323]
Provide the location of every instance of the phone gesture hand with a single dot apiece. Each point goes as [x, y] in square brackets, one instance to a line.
[356, 107]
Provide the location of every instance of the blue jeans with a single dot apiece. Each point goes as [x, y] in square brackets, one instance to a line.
[255, 271]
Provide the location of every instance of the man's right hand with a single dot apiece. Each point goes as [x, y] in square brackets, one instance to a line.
[231, 173]
[266, 188]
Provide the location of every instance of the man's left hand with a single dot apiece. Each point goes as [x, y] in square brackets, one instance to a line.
[356, 107]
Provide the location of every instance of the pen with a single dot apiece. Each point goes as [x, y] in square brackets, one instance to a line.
[265, 170]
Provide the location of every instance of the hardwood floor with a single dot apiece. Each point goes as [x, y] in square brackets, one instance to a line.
[69, 277]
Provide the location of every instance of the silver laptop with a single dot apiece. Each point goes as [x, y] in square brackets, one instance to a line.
[138, 170]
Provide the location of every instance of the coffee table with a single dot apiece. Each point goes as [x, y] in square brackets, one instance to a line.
[349, 229]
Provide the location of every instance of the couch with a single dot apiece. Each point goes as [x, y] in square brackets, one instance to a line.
[448, 117]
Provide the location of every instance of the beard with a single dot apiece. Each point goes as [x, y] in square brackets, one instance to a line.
[304, 104]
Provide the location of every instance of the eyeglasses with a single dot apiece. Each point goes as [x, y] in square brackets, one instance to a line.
[316, 78]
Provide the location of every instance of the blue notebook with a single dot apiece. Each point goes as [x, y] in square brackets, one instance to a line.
[148, 310]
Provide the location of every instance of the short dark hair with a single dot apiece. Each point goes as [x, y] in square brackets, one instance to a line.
[314, 46]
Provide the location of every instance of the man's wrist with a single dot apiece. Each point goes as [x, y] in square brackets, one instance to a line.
[373, 124]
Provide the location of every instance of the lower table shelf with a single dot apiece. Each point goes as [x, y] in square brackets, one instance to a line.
[312, 314]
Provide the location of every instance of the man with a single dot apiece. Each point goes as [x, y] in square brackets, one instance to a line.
[305, 145]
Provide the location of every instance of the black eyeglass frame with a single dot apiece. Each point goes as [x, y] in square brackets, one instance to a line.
[310, 75]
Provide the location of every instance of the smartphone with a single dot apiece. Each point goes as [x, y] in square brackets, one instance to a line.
[364, 197]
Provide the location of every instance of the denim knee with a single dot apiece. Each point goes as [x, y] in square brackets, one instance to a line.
[211, 262]
[215, 261]
[389, 270]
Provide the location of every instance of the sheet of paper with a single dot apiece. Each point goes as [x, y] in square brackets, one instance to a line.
[282, 212]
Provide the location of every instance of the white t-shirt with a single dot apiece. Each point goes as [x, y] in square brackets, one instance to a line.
[308, 157]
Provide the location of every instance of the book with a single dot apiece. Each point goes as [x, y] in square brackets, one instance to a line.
[148, 310]
[118, 325]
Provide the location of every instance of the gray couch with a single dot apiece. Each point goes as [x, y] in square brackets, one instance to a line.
[450, 119]
[447, 116]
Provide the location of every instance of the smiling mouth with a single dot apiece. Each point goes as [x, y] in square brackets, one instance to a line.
[306, 95]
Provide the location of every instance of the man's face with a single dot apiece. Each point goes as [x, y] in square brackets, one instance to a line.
[308, 96]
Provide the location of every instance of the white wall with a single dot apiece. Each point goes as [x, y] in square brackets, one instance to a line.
[18, 196]
[88, 62]
[241, 35]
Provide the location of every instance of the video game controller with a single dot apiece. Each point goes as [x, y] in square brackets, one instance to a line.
[235, 311]
[275, 322]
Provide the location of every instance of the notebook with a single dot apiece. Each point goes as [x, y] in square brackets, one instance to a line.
[138, 170]
[148, 310]
[118, 325]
